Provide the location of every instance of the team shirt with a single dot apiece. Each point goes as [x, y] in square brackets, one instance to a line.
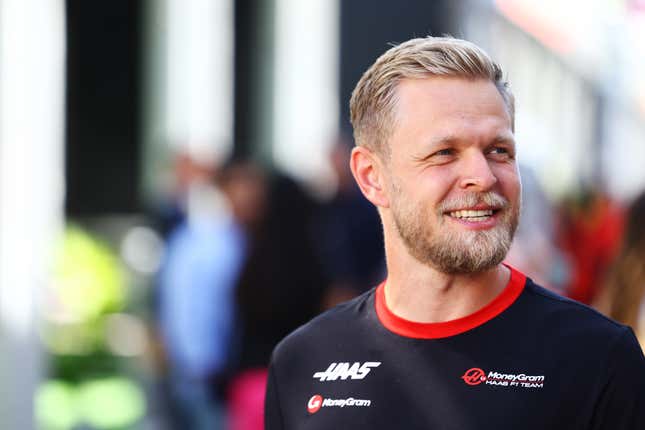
[528, 360]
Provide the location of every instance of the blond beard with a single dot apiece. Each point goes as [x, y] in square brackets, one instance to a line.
[449, 250]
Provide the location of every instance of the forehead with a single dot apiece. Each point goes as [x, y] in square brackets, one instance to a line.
[441, 104]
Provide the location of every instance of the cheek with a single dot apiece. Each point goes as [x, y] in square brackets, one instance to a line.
[426, 196]
[436, 186]
[513, 191]
[425, 188]
[509, 181]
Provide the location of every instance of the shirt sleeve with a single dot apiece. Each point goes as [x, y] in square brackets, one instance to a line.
[272, 411]
[621, 405]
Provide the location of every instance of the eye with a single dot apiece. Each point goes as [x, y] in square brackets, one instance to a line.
[441, 156]
[443, 152]
[501, 153]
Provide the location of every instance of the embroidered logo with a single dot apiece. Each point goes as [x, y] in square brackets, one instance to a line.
[345, 370]
[317, 401]
[476, 376]
[314, 404]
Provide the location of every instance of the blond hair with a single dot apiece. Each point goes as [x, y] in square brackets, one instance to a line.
[373, 100]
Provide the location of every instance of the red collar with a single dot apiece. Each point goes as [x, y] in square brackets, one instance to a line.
[438, 330]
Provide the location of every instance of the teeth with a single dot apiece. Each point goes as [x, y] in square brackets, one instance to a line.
[471, 214]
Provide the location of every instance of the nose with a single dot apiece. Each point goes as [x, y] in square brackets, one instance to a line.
[477, 174]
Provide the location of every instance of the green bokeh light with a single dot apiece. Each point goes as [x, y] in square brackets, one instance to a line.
[55, 406]
[88, 283]
[89, 280]
[106, 403]
[111, 402]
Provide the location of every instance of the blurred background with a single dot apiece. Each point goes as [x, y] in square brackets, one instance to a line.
[175, 194]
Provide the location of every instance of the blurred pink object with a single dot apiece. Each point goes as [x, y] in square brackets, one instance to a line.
[246, 400]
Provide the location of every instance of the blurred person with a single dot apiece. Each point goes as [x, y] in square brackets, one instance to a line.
[205, 255]
[280, 288]
[245, 185]
[623, 295]
[593, 219]
[348, 234]
[453, 338]
[191, 181]
[281, 283]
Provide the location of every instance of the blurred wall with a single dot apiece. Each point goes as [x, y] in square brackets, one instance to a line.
[369, 28]
[31, 189]
[103, 107]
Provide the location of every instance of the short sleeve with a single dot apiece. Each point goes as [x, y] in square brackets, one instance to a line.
[621, 405]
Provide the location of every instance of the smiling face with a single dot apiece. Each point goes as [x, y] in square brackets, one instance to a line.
[452, 183]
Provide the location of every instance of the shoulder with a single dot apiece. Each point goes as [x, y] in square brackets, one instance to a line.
[554, 304]
[339, 323]
[567, 319]
[584, 345]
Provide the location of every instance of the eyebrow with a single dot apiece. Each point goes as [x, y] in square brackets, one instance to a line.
[503, 139]
[445, 140]
[452, 139]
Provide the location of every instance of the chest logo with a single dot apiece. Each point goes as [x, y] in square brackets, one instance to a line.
[345, 370]
[476, 376]
[317, 401]
[314, 404]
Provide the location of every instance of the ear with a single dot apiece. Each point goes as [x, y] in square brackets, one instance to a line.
[368, 172]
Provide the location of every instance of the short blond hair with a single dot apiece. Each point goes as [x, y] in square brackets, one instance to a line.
[374, 99]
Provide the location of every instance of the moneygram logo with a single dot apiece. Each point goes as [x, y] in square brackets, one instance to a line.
[317, 401]
[476, 376]
[314, 404]
[345, 370]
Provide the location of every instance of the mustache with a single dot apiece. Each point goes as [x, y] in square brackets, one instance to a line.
[490, 198]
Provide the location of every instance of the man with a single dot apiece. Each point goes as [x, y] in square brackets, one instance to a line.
[453, 339]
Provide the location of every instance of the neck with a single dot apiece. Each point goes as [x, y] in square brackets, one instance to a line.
[418, 292]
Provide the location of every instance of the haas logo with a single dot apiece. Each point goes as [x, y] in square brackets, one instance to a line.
[344, 371]
[314, 404]
[474, 376]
